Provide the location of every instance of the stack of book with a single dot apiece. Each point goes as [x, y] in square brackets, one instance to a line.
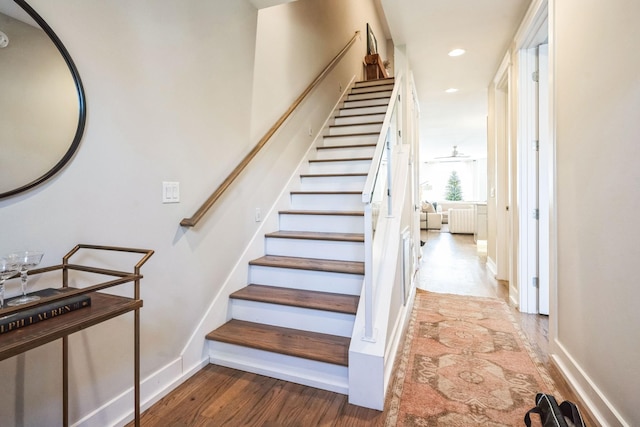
[43, 312]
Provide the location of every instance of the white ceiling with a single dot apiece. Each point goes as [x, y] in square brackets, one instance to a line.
[432, 28]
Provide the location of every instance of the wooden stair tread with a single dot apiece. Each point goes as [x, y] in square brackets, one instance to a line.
[311, 264]
[309, 345]
[376, 91]
[352, 134]
[316, 212]
[349, 159]
[326, 301]
[359, 115]
[329, 175]
[315, 235]
[355, 124]
[352, 107]
[376, 80]
[377, 98]
[325, 192]
[329, 147]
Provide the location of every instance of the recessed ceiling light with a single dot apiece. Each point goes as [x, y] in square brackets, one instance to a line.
[451, 90]
[457, 52]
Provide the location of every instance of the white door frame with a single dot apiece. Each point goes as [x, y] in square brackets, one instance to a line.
[544, 164]
[502, 188]
[533, 31]
[527, 159]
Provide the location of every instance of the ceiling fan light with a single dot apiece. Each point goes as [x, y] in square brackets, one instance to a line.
[457, 52]
[451, 90]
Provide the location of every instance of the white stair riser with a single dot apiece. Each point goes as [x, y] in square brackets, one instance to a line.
[346, 152]
[322, 249]
[309, 280]
[360, 96]
[360, 103]
[362, 89]
[322, 223]
[324, 322]
[351, 129]
[336, 183]
[369, 83]
[310, 373]
[327, 202]
[346, 166]
[347, 112]
[338, 140]
[354, 120]
[366, 103]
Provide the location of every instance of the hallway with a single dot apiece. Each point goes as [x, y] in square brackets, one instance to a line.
[452, 263]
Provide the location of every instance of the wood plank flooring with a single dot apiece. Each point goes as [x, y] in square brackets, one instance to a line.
[218, 396]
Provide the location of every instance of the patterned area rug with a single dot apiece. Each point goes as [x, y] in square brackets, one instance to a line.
[465, 362]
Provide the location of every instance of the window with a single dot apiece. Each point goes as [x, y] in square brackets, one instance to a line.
[472, 174]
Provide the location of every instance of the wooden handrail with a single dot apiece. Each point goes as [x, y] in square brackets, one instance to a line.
[197, 216]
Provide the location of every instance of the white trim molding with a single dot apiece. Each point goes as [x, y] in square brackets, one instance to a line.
[599, 406]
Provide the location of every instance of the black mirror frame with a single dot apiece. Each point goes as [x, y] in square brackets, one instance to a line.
[82, 116]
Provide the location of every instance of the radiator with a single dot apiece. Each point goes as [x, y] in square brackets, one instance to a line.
[462, 221]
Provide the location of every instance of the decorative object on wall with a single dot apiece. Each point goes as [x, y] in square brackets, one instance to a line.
[4, 40]
[372, 43]
[64, 98]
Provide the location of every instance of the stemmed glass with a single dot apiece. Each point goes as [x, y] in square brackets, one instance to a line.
[9, 267]
[27, 260]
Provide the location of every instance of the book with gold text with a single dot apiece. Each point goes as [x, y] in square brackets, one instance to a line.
[43, 312]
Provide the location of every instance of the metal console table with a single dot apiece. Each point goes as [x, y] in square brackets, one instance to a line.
[103, 307]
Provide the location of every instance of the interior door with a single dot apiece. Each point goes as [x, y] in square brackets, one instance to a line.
[544, 163]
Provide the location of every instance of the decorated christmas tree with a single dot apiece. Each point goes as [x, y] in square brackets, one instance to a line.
[454, 190]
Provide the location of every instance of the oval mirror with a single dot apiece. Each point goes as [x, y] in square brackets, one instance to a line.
[42, 106]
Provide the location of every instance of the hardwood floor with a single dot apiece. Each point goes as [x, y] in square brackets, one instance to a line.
[218, 396]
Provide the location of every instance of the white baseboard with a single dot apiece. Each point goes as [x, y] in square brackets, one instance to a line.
[491, 265]
[119, 410]
[599, 406]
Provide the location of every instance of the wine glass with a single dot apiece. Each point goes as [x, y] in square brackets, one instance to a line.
[9, 267]
[27, 260]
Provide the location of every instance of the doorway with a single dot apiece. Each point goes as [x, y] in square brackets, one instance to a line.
[534, 165]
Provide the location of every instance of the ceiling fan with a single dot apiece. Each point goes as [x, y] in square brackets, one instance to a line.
[455, 154]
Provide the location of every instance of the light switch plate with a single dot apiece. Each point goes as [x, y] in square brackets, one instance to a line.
[170, 192]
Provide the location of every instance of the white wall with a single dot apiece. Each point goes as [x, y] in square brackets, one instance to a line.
[170, 92]
[597, 104]
[297, 40]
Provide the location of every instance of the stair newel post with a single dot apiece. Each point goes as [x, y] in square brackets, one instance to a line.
[368, 273]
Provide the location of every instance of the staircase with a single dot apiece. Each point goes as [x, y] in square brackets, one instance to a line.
[294, 320]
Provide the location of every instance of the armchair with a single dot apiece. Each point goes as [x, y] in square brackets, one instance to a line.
[429, 218]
